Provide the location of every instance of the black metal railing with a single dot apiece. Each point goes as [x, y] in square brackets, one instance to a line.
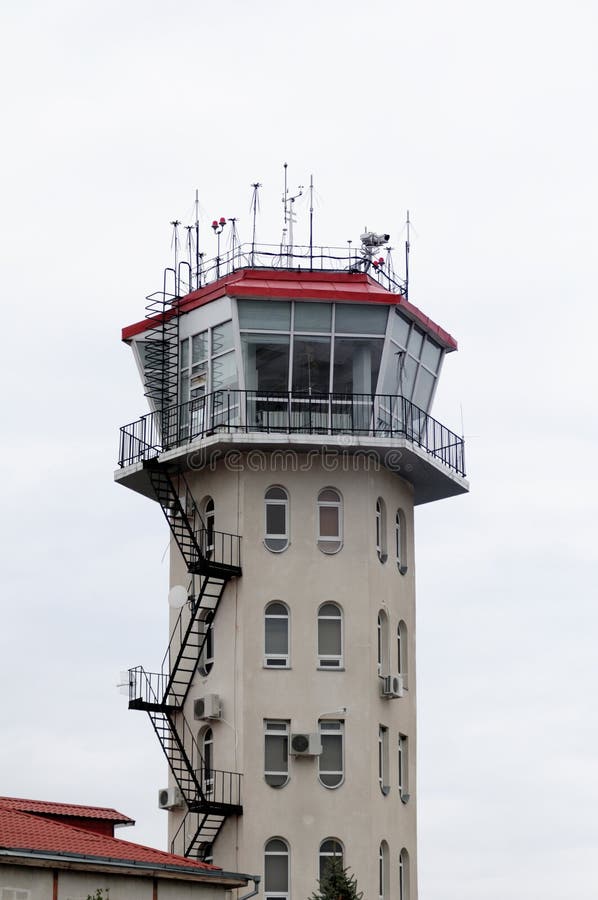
[299, 257]
[289, 412]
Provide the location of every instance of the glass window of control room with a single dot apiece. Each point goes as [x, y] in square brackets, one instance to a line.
[311, 348]
[416, 359]
[207, 362]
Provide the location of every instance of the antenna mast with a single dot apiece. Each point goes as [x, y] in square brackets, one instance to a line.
[407, 248]
[311, 222]
[254, 207]
[290, 217]
[198, 281]
[175, 241]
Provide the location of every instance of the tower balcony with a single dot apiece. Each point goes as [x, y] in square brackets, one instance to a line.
[383, 429]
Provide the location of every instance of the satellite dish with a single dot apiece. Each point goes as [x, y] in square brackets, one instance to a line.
[177, 596]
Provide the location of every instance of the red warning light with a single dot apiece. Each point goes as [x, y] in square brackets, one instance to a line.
[214, 224]
[222, 220]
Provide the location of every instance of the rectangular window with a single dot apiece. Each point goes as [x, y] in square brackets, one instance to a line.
[14, 894]
[266, 361]
[330, 760]
[276, 752]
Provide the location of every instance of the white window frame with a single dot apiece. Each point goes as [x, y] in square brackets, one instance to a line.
[330, 543]
[277, 660]
[403, 653]
[382, 658]
[206, 744]
[401, 541]
[205, 663]
[403, 874]
[330, 662]
[383, 768]
[381, 546]
[284, 536]
[403, 767]
[383, 872]
[277, 728]
[277, 895]
[334, 727]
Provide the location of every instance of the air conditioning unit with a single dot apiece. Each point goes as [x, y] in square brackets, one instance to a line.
[392, 686]
[208, 707]
[305, 745]
[169, 798]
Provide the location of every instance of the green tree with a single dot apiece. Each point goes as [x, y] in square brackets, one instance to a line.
[336, 883]
[99, 895]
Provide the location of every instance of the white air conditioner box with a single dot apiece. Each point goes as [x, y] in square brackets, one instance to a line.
[169, 798]
[305, 745]
[208, 707]
[392, 686]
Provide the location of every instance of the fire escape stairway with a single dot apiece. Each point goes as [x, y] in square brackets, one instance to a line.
[210, 795]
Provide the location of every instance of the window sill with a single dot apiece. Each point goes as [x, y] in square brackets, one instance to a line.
[276, 668]
[330, 668]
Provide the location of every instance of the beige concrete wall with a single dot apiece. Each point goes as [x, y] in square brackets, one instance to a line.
[79, 885]
[304, 812]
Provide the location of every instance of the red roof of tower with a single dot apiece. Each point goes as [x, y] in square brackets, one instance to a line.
[286, 284]
[48, 808]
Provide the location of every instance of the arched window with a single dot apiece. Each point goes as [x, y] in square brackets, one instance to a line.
[330, 636]
[330, 761]
[402, 653]
[276, 870]
[276, 637]
[403, 768]
[382, 639]
[381, 548]
[207, 753]
[276, 752]
[331, 848]
[210, 519]
[206, 652]
[330, 521]
[403, 875]
[277, 519]
[383, 871]
[383, 773]
[401, 541]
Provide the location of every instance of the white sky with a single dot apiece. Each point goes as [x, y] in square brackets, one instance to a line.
[481, 119]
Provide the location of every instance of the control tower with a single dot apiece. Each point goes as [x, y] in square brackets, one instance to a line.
[288, 442]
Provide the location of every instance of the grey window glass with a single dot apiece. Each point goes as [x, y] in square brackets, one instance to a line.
[313, 316]
[276, 875]
[329, 630]
[359, 319]
[276, 519]
[331, 759]
[399, 328]
[356, 365]
[415, 342]
[185, 353]
[329, 521]
[424, 388]
[222, 338]
[272, 315]
[408, 376]
[276, 759]
[266, 361]
[276, 493]
[311, 365]
[199, 347]
[277, 629]
[224, 371]
[328, 850]
[431, 355]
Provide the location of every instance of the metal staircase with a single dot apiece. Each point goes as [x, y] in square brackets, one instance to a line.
[161, 347]
[210, 795]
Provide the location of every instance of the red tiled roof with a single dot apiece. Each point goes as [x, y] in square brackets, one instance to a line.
[46, 807]
[34, 834]
[286, 284]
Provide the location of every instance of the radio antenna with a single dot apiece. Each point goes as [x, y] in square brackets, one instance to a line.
[197, 237]
[311, 222]
[289, 215]
[175, 243]
[254, 207]
[407, 248]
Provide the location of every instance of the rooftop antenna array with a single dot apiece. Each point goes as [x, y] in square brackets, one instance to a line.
[175, 243]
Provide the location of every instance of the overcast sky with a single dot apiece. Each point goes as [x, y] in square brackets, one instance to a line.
[480, 118]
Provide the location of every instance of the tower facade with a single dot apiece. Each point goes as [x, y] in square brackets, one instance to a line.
[288, 444]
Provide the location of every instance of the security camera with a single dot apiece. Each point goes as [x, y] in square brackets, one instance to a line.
[371, 239]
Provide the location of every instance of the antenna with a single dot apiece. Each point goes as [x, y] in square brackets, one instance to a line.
[290, 217]
[311, 222]
[234, 237]
[189, 230]
[218, 227]
[198, 282]
[254, 207]
[407, 248]
[175, 242]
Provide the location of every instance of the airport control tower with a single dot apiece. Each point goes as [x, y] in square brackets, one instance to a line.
[288, 442]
